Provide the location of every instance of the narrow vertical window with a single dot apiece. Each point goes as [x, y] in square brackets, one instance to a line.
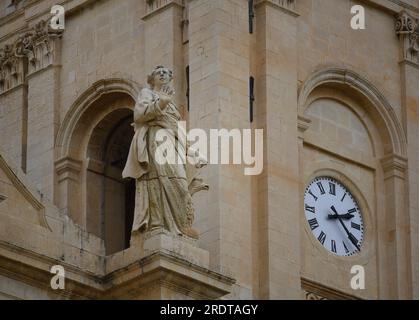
[187, 88]
[251, 97]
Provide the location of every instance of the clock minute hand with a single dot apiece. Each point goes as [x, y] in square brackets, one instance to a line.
[350, 235]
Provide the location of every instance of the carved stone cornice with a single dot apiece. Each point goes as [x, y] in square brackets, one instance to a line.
[125, 275]
[286, 5]
[394, 166]
[303, 125]
[407, 28]
[317, 291]
[31, 52]
[154, 6]
[68, 169]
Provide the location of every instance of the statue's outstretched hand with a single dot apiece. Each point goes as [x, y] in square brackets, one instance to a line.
[166, 96]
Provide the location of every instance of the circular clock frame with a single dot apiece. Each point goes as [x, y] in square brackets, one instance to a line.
[358, 197]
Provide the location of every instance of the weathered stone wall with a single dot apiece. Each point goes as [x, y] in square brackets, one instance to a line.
[330, 99]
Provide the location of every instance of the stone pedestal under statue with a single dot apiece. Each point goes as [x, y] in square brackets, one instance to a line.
[160, 265]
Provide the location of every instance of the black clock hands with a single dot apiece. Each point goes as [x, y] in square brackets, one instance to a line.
[350, 235]
[346, 216]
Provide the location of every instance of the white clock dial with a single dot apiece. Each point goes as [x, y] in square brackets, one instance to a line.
[333, 216]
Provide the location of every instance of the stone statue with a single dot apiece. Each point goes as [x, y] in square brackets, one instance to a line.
[163, 191]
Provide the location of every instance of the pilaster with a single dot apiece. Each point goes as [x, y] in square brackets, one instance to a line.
[279, 186]
[407, 29]
[163, 40]
[219, 59]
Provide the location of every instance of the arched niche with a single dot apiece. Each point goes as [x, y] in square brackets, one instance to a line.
[92, 147]
[374, 119]
[374, 102]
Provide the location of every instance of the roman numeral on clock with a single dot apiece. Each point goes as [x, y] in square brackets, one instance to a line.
[322, 237]
[313, 224]
[352, 210]
[333, 246]
[332, 188]
[355, 226]
[346, 248]
[319, 184]
[353, 239]
[311, 193]
[310, 209]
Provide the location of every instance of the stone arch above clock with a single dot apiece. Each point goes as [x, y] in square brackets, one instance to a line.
[347, 125]
[369, 97]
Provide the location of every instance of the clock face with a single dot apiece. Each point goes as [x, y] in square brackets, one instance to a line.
[333, 216]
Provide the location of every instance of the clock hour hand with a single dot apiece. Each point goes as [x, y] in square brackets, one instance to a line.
[350, 235]
[346, 216]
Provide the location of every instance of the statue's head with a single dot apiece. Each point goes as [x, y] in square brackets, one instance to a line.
[159, 77]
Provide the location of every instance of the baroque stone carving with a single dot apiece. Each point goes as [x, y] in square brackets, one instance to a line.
[36, 49]
[164, 190]
[407, 28]
[11, 68]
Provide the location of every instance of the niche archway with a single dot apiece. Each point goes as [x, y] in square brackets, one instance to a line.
[92, 147]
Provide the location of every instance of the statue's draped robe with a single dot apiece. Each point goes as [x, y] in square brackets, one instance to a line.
[163, 199]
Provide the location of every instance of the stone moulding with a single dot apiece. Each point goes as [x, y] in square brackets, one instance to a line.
[162, 272]
[316, 291]
[21, 185]
[33, 51]
[165, 270]
[287, 6]
[153, 6]
[82, 103]
[68, 168]
[394, 166]
[33, 269]
[169, 266]
[366, 88]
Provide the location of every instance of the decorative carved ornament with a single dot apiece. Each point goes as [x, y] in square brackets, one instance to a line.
[313, 296]
[154, 5]
[316, 291]
[289, 5]
[407, 28]
[35, 49]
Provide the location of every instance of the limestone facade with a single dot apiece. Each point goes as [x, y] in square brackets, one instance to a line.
[332, 101]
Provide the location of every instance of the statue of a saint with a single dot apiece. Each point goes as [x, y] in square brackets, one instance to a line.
[163, 191]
